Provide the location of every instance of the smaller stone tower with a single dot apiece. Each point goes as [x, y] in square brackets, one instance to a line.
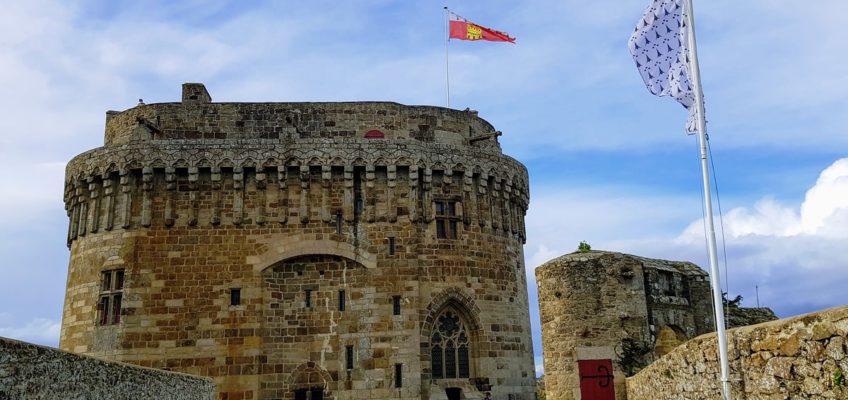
[597, 306]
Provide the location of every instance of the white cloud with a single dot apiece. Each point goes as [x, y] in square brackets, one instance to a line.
[823, 214]
[38, 330]
[559, 219]
[795, 255]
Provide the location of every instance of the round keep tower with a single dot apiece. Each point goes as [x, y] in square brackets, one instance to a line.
[303, 250]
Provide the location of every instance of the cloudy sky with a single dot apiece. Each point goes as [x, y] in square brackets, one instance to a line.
[609, 163]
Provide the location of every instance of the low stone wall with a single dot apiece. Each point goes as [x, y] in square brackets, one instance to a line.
[28, 371]
[803, 357]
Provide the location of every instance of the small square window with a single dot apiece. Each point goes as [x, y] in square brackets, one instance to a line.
[235, 296]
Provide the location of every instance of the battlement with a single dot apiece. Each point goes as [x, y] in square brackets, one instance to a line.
[196, 118]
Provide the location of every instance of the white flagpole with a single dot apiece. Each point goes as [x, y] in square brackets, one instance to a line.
[447, 64]
[708, 207]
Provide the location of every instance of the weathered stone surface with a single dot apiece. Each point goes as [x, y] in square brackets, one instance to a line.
[591, 302]
[795, 358]
[744, 316]
[284, 199]
[28, 371]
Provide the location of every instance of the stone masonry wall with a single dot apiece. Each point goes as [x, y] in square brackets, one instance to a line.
[588, 303]
[29, 371]
[192, 200]
[592, 302]
[803, 357]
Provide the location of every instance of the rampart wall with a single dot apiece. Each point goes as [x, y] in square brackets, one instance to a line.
[29, 371]
[802, 357]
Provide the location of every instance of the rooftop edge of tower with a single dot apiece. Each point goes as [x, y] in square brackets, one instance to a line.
[196, 117]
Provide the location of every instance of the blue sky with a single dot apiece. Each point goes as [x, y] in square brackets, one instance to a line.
[608, 162]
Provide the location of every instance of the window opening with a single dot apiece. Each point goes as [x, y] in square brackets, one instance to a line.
[339, 224]
[341, 300]
[111, 295]
[357, 192]
[307, 294]
[396, 305]
[446, 219]
[235, 296]
[449, 352]
[398, 375]
[391, 245]
[348, 357]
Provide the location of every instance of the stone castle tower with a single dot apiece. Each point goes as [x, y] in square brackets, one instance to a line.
[605, 315]
[303, 250]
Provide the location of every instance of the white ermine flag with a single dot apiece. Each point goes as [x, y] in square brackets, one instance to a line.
[660, 48]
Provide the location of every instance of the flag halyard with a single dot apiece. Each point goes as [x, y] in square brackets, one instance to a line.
[659, 46]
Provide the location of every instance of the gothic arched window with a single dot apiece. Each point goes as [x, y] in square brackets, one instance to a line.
[449, 344]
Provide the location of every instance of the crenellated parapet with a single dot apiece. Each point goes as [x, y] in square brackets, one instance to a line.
[153, 170]
[492, 188]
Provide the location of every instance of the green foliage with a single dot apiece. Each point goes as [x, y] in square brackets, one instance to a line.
[838, 378]
[731, 303]
[584, 247]
[667, 373]
[632, 357]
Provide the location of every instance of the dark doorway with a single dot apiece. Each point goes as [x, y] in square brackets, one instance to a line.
[454, 393]
[309, 394]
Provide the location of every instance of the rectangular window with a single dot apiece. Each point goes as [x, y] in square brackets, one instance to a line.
[341, 300]
[105, 281]
[437, 362]
[398, 375]
[103, 308]
[110, 297]
[396, 305]
[348, 357]
[116, 308]
[339, 224]
[307, 297]
[358, 205]
[391, 245]
[235, 296]
[119, 279]
[446, 219]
